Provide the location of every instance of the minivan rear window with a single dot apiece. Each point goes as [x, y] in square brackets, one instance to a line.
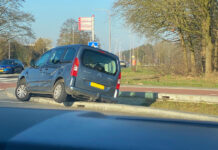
[100, 62]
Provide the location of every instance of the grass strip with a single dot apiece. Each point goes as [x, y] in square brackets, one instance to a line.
[201, 108]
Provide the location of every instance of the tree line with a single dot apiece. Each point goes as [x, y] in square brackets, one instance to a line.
[191, 23]
[165, 57]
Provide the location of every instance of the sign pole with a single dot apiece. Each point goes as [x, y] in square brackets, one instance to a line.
[93, 28]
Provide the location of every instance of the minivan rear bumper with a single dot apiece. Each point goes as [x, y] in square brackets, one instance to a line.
[91, 95]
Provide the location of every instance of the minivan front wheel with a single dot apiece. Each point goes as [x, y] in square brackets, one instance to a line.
[59, 93]
[21, 91]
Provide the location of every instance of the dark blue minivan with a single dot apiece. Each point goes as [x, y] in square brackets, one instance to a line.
[76, 70]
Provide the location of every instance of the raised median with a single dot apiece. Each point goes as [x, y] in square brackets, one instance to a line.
[129, 105]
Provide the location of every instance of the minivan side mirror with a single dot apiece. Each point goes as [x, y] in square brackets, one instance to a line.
[32, 63]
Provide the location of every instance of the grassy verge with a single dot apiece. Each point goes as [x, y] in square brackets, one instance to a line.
[201, 108]
[148, 76]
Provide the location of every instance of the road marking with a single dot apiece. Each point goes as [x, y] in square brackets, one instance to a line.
[9, 75]
[11, 102]
[8, 80]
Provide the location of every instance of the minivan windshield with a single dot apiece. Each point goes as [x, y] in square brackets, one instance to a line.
[99, 61]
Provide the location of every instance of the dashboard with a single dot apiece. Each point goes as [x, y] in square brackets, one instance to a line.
[44, 129]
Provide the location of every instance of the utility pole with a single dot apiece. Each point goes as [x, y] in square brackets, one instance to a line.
[109, 22]
[109, 27]
[73, 34]
[130, 50]
[9, 49]
[119, 52]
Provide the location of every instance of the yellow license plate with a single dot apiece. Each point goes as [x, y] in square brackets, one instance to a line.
[96, 85]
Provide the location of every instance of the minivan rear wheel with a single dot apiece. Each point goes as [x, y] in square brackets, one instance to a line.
[59, 93]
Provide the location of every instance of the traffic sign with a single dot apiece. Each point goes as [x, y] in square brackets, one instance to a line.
[93, 44]
[85, 19]
[85, 23]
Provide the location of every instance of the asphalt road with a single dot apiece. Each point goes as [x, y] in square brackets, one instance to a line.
[6, 101]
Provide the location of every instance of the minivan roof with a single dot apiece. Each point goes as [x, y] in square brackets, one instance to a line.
[77, 46]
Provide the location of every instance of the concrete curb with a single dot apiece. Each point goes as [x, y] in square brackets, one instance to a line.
[171, 97]
[139, 110]
[136, 110]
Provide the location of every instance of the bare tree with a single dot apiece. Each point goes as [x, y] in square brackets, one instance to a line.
[41, 45]
[70, 34]
[13, 21]
[186, 21]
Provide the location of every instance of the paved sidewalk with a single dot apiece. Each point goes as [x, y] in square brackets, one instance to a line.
[7, 85]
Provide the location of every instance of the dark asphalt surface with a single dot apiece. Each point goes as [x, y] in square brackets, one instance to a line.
[8, 102]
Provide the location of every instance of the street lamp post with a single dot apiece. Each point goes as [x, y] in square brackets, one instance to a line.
[109, 21]
[109, 26]
[9, 49]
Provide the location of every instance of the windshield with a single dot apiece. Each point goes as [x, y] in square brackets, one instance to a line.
[141, 56]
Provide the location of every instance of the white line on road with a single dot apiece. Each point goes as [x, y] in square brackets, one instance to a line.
[11, 102]
[8, 78]
[9, 75]
[213, 94]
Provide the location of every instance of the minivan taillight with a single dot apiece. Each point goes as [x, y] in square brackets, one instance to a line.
[118, 82]
[75, 67]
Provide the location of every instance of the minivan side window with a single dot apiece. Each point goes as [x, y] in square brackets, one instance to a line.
[100, 62]
[69, 55]
[43, 59]
[56, 56]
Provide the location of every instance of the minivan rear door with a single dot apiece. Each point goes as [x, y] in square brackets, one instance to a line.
[97, 71]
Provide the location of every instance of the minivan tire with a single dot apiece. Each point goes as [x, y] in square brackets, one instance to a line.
[21, 91]
[59, 93]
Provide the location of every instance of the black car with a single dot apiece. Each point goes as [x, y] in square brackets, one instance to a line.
[11, 66]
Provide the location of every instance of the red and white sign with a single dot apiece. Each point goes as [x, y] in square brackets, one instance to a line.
[85, 19]
[85, 23]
